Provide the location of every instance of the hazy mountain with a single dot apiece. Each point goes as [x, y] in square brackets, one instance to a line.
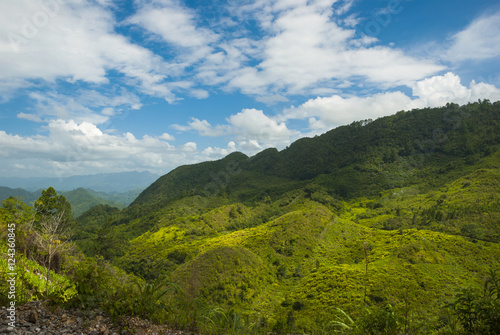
[27, 196]
[80, 199]
[104, 182]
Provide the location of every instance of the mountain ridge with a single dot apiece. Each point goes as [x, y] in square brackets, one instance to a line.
[383, 148]
[105, 182]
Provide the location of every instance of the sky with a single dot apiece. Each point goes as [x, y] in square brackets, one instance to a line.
[99, 86]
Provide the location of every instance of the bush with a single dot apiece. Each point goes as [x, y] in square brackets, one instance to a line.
[480, 313]
[378, 321]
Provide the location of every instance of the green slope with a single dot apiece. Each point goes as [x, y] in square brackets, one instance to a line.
[27, 196]
[82, 200]
[403, 211]
[424, 147]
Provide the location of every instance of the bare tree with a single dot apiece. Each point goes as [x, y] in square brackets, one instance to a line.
[52, 236]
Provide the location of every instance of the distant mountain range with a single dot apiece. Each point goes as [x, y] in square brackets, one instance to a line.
[83, 192]
[80, 199]
[105, 182]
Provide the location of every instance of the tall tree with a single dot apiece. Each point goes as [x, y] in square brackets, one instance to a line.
[50, 204]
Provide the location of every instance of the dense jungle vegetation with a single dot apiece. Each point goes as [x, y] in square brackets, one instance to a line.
[389, 226]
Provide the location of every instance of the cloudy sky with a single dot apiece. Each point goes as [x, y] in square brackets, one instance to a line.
[94, 86]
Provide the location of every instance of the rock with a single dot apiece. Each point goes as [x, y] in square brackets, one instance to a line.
[38, 318]
[32, 316]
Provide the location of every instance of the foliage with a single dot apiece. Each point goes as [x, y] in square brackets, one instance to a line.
[480, 313]
[50, 204]
[31, 283]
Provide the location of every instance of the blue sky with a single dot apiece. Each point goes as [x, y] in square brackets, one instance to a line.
[119, 85]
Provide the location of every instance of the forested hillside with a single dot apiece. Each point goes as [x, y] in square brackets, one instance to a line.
[389, 226]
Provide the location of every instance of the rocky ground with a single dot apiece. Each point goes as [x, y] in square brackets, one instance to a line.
[38, 318]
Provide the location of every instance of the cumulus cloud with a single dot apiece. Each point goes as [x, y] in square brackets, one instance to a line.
[251, 128]
[439, 90]
[254, 124]
[480, 40]
[76, 41]
[328, 112]
[167, 137]
[216, 152]
[304, 49]
[324, 113]
[69, 148]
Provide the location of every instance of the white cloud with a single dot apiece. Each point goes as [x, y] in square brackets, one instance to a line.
[203, 127]
[329, 112]
[30, 117]
[108, 111]
[300, 49]
[304, 49]
[389, 67]
[439, 90]
[251, 128]
[217, 152]
[83, 105]
[344, 7]
[254, 124]
[247, 124]
[69, 148]
[167, 137]
[480, 40]
[9, 86]
[324, 113]
[176, 25]
[250, 146]
[189, 147]
[75, 41]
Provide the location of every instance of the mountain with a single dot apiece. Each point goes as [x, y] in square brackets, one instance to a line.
[386, 221]
[104, 182]
[27, 196]
[421, 147]
[82, 200]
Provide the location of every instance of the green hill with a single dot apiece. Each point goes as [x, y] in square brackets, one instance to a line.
[415, 147]
[82, 200]
[28, 197]
[418, 191]
[377, 227]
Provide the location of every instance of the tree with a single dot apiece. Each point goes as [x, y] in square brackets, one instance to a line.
[52, 226]
[14, 210]
[52, 236]
[50, 204]
[108, 243]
